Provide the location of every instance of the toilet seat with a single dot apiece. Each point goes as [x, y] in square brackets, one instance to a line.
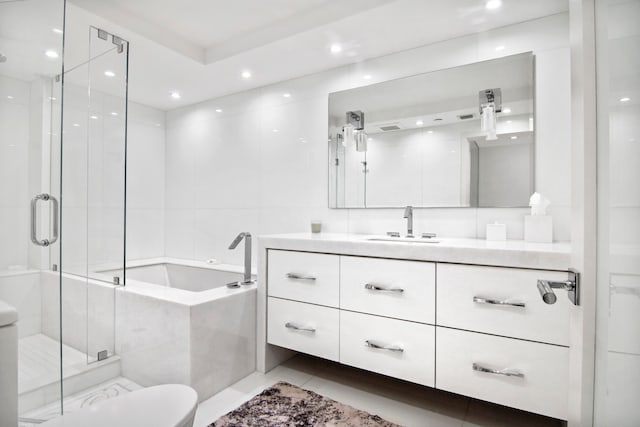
[171, 405]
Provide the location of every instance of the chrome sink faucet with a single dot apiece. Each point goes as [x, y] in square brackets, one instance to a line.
[408, 214]
[247, 258]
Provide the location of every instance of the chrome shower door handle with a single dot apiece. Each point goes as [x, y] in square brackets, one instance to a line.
[505, 372]
[34, 219]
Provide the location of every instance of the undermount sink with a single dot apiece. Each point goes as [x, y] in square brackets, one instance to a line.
[403, 239]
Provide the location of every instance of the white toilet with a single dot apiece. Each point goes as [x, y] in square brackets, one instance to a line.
[8, 365]
[171, 405]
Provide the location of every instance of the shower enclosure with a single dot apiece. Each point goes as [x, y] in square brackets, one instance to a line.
[63, 112]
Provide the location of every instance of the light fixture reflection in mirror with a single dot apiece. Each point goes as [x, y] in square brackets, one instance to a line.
[490, 101]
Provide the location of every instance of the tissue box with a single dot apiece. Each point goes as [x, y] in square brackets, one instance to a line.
[496, 232]
[538, 228]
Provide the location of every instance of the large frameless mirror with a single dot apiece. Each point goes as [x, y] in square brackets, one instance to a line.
[459, 137]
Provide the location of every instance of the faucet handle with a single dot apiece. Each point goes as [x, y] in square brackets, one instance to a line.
[393, 234]
[428, 235]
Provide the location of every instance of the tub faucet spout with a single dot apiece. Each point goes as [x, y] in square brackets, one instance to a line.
[247, 255]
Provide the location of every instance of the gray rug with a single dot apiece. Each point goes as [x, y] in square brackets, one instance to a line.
[285, 405]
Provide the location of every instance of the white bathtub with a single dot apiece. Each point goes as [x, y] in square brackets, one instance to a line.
[176, 321]
[180, 275]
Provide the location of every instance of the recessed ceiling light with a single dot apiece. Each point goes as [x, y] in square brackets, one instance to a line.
[514, 137]
[51, 98]
[109, 73]
[218, 110]
[509, 121]
[367, 77]
[286, 95]
[429, 131]
[335, 48]
[76, 125]
[175, 95]
[369, 139]
[499, 48]
[246, 74]
[506, 110]
[275, 130]
[51, 54]
[113, 113]
[93, 117]
[493, 4]
[625, 99]
[9, 97]
[419, 123]
[57, 30]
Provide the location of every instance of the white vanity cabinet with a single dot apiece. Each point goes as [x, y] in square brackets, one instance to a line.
[477, 330]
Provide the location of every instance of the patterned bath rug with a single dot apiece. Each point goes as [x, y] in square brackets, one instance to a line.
[285, 405]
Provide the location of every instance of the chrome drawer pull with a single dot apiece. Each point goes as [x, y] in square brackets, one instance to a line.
[374, 344]
[382, 288]
[299, 277]
[505, 372]
[510, 303]
[290, 325]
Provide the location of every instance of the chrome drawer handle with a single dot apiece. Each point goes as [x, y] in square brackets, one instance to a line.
[295, 327]
[505, 372]
[300, 277]
[379, 346]
[509, 303]
[382, 288]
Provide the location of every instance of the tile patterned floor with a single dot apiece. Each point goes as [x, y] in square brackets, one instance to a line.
[397, 401]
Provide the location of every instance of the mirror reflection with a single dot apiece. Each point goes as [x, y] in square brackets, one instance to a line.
[459, 137]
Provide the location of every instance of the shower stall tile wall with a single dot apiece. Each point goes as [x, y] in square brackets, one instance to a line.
[260, 165]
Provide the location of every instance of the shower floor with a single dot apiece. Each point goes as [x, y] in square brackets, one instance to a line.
[107, 390]
[39, 371]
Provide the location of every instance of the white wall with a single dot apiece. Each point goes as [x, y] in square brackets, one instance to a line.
[14, 172]
[230, 172]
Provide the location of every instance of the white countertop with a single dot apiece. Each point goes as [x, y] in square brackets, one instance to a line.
[510, 253]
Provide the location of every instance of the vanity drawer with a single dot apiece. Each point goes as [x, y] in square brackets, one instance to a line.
[409, 352]
[386, 287]
[304, 276]
[308, 328]
[543, 387]
[465, 296]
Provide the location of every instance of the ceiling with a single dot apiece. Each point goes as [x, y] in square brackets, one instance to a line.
[200, 47]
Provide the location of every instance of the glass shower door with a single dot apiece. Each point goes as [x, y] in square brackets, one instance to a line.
[31, 46]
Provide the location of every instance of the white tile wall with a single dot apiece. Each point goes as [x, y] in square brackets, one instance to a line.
[248, 169]
[14, 172]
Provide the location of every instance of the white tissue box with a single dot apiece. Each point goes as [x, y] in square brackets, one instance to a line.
[496, 232]
[538, 228]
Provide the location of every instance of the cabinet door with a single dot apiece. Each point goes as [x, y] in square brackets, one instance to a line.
[304, 276]
[386, 287]
[391, 347]
[502, 301]
[522, 374]
[308, 328]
